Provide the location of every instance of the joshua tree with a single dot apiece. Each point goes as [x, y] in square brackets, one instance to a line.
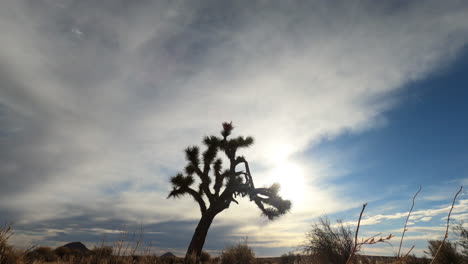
[218, 187]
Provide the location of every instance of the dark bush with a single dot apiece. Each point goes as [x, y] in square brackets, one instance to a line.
[238, 254]
[42, 254]
[205, 257]
[103, 251]
[448, 253]
[62, 252]
[412, 259]
[169, 260]
[290, 258]
[463, 240]
[7, 253]
[327, 244]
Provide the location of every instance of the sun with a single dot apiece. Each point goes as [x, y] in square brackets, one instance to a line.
[291, 178]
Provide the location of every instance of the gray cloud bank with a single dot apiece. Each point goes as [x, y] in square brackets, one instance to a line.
[99, 98]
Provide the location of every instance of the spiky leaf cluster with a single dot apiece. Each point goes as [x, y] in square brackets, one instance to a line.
[229, 182]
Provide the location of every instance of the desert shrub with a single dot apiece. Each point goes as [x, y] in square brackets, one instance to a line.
[169, 260]
[264, 261]
[448, 253]
[147, 259]
[290, 258]
[463, 240]
[102, 251]
[102, 254]
[240, 253]
[205, 256]
[7, 253]
[62, 252]
[42, 254]
[73, 255]
[328, 244]
[9, 256]
[412, 259]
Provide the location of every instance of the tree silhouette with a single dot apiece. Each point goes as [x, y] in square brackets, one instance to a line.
[227, 185]
[448, 253]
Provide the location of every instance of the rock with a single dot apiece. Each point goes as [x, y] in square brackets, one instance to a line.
[168, 255]
[77, 246]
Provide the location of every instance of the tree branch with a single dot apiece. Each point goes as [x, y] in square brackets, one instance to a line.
[353, 252]
[448, 223]
[205, 185]
[219, 177]
[247, 169]
[197, 198]
[406, 222]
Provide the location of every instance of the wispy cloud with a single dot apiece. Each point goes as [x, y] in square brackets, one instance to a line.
[422, 215]
[99, 99]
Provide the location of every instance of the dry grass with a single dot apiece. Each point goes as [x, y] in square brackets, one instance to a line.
[124, 250]
[7, 253]
[239, 253]
[328, 245]
[448, 225]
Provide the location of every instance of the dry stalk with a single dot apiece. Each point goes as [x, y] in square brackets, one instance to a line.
[407, 253]
[368, 241]
[120, 243]
[356, 234]
[138, 241]
[6, 231]
[448, 224]
[400, 260]
[406, 222]
[128, 244]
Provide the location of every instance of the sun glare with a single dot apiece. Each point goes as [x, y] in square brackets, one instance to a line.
[291, 178]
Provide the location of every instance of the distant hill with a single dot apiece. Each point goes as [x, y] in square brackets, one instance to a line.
[167, 255]
[77, 246]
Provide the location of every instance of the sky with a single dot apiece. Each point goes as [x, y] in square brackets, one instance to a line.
[348, 101]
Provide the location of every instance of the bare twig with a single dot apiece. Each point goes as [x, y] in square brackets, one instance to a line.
[406, 222]
[400, 260]
[138, 241]
[356, 234]
[120, 243]
[407, 253]
[359, 224]
[128, 244]
[448, 224]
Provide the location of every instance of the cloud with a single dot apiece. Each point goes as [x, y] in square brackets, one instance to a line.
[99, 99]
[422, 215]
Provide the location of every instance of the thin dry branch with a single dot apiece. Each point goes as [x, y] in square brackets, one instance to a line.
[356, 234]
[400, 260]
[368, 241]
[448, 224]
[138, 241]
[407, 253]
[406, 222]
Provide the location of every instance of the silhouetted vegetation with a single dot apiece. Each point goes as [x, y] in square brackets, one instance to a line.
[7, 253]
[412, 259]
[291, 258]
[328, 244]
[221, 186]
[240, 253]
[62, 252]
[462, 241]
[42, 254]
[448, 252]
[101, 253]
[205, 257]
[329, 234]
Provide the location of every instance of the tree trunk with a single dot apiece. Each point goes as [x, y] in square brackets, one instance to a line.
[198, 240]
